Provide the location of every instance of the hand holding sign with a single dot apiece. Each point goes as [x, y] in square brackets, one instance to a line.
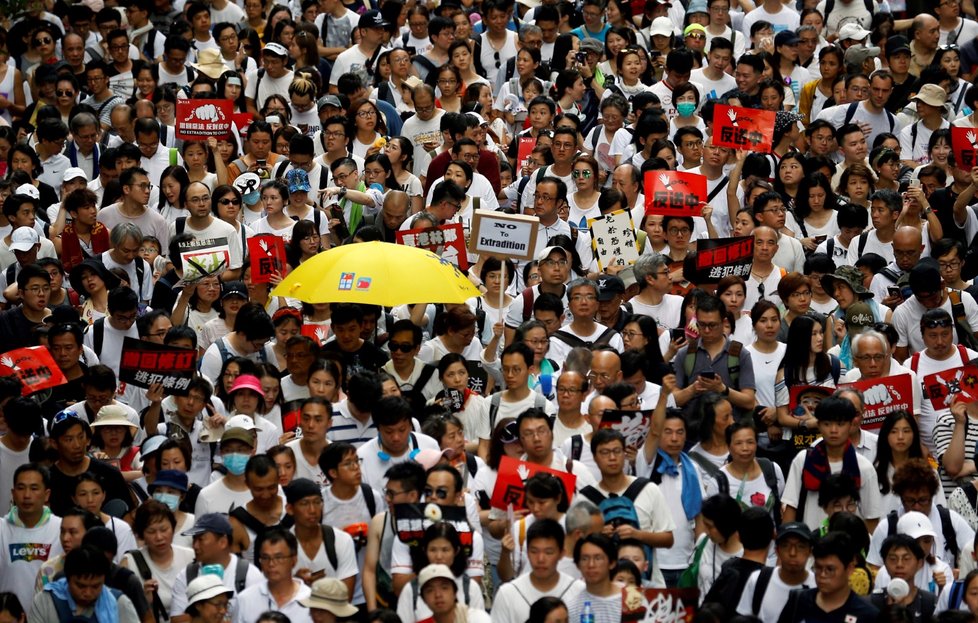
[743, 128]
[674, 193]
[965, 144]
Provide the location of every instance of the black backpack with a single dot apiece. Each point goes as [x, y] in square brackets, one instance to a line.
[144, 572]
[947, 530]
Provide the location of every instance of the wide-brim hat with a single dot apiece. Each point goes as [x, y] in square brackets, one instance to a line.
[850, 276]
[210, 63]
[75, 276]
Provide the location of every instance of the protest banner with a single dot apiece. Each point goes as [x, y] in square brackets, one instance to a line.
[524, 151]
[513, 473]
[35, 368]
[883, 395]
[203, 258]
[633, 425]
[941, 388]
[446, 241]
[198, 120]
[478, 376]
[674, 193]
[802, 400]
[964, 141]
[659, 605]
[242, 120]
[743, 128]
[318, 332]
[267, 254]
[508, 235]
[411, 520]
[146, 363]
[613, 239]
[722, 257]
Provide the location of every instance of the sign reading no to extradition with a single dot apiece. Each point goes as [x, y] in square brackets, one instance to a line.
[511, 235]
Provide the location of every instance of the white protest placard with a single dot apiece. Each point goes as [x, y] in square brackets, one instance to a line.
[513, 236]
[613, 239]
[203, 258]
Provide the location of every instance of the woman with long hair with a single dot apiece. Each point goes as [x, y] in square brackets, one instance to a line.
[948, 58]
[791, 171]
[326, 380]
[448, 80]
[460, 56]
[714, 414]
[283, 30]
[617, 39]
[198, 304]
[230, 86]
[234, 294]
[461, 173]
[368, 126]
[939, 151]
[818, 95]
[655, 236]
[89, 494]
[899, 441]
[471, 411]
[805, 363]
[288, 324]
[583, 202]
[493, 273]
[815, 212]
[400, 153]
[768, 352]
[630, 68]
[305, 244]
[642, 334]
[377, 169]
[201, 163]
[510, 98]
[786, 58]
[732, 290]
[173, 188]
[22, 157]
[772, 95]
[93, 281]
[441, 544]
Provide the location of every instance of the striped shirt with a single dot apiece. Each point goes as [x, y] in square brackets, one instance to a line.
[943, 431]
[347, 428]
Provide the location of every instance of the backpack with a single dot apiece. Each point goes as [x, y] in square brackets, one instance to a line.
[415, 396]
[723, 485]
[539, 402]
[573, 341]
[620, 509]
[947, 530]
[261, 74]
[861, 245]
[961, 326]
[240, 574]
[247, 519]
[915, 358]
[955, 595]
[159, 610]
[149, 48]
[98, 336]
[733, 359]
[763, 580]
[225, 354]
[851, 110]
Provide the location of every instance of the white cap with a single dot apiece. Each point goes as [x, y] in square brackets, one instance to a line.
[28, 189]
[241, 421]
[276, 48]
[476, 115]
[435, 571]
[23, 239]
[73, 173]
[852, 30]
[915, 525]
[662, 26]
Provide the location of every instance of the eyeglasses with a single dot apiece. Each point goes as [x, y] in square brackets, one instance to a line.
[909, 502]
[147, 186]
[440, 493]
[35, 290]
[355, 464]
[334, 134]
[952, 265]
[391, 494]
[781, 210]
[873, 358]
[608, 452]
[583, 298]
[273, 560]
[558, 263]
[679, 231]
[400, 347]
[544, 198]
[579, 173]
[363, 114]
[198, 200]
[228, 201]
[708, 326]
[802, 294]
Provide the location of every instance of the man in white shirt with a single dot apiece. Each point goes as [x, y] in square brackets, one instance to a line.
[545, 546]
[126, 239]
[929, 292]
[106, 336]
[793, 548]
[582, 295]
[654, 299]
[339, 560]
[867, 108]
[51, 136]
[155, 156]
[278, 590]
[273, 78]
[395, 441]
[204, 225]
[713, 75]
[361, 59]
[884, 209]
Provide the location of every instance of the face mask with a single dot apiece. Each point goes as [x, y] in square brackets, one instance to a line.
[251, 198]
[236, 463]
[172, 500]
[685, 109]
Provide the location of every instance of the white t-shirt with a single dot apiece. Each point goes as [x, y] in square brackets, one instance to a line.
[112, 339]
[216, 229]
[22, 552]
[765, 372]
[785, 19]
[906, 320]
[349, 60]
[873, 245]
[513, 601]
[9, 462]
[218, 498]
[713, 89]
[927, 416]
[374, 468]
[666, 313]
[774, 598]
[165, 576]
[269, 86]
[869, 491]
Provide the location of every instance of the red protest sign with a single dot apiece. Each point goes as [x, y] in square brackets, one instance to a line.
[242, 120]
[941, 388]
[965, 144]
[198, 120]
[35, 368]
[511, 476]
[445, 241]
[674, 193]
[524, 150]
[883, 395]
[267, 257]
[743, 128]
[318, 332]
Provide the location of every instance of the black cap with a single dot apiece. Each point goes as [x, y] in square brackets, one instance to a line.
[301, 488]
[795, 529]
[609, 286]
[896, 44]
[925, 277]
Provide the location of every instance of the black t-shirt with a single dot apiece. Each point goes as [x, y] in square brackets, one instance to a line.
[801, 606]
[900, 96]
[16, 331]
[729, 585]
[368, 357]
[63, 486]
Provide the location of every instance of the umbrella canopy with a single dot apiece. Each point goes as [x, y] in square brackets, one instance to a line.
[377, 273]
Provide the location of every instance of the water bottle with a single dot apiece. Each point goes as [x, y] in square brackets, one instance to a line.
[587, 616]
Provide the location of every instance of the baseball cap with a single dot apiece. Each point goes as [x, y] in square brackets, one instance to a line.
[591, 45]
[693, 28]
[173, 478]
[23, 239]
[795, 529]
[151, 446]
[328, 100]
[859, 54]
[896, 44]
[298, 181]
[30, 190]
[433, 572]
[301, 488]
[609, 286]
[915, 525]
[542, 255]
[211, 522]
[234, 288]
[237, 433]
[72, 173]
[925, 277]
[662, 26]
[275, 48]
[373, 19]
[852, 30]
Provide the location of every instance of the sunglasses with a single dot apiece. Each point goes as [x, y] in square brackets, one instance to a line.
[933, 324]
[441, 493]
[585, 173]
[229, 202]
[44, 41]
[63, 93]
[399, 347]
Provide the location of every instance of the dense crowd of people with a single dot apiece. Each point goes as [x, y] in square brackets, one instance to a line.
[585, 442]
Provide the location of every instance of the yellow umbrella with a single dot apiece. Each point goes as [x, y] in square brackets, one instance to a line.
[377, 273]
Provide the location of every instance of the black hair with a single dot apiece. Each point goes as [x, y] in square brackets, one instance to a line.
[333, 454]
[756, 528]
[838, 544]
[86, 561]
[724, 512]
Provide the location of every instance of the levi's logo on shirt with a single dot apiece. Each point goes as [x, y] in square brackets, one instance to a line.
[29, 552]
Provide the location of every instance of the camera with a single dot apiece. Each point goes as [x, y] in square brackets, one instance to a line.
[581, 57]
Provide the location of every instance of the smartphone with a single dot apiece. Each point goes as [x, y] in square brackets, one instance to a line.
[676, 335]
[708, 375]
[914, 182]
[820, 239]
[893, 290]
[262, 163]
